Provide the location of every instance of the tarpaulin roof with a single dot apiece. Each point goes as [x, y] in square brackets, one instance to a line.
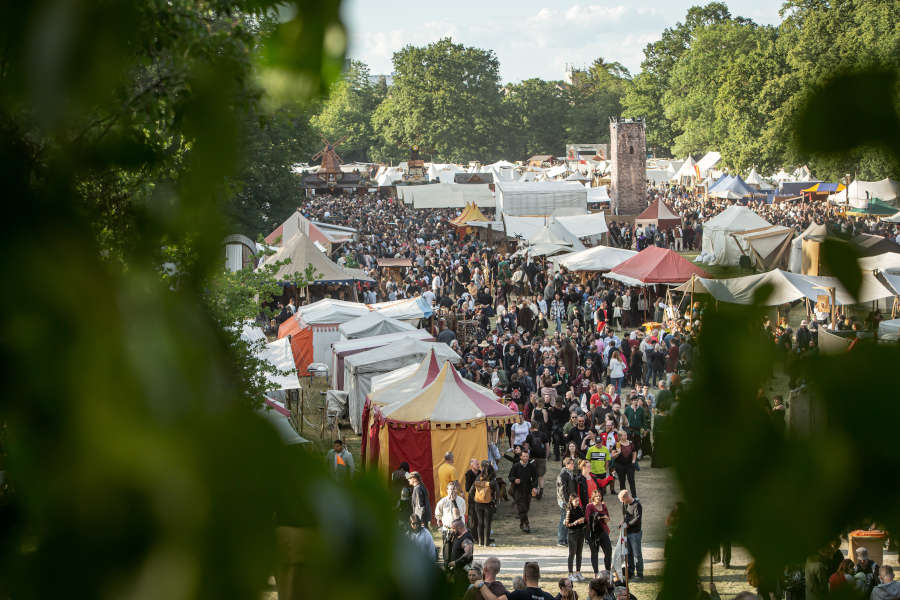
[659, 214]
[406, 309]
[331, 311]
[597, 194]
[655, 265]
[598, 258]
[373, 323]
[302, 252]
[893, 219]
[872, 245]
[449, 399]
[448, 195]
[787, 287]
[824, 187]
[554, 233]
[732, 187]
[888, 261]
[893, 280]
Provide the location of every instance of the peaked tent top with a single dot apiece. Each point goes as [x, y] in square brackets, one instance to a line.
[470, 213]
[598, 258]
[658, 211]
[302, 253]
[423, 374]
[686, 170]
[655, 265]
[787, 287]
[449, 399]
[736, 218]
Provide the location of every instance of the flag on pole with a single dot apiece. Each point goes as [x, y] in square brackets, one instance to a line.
[697, 171]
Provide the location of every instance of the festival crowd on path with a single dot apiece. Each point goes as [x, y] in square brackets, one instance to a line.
[593, 367]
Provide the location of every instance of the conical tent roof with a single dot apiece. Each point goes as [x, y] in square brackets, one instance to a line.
[449, 399]
[423, 374]
[659, 214]
[754, 178]
[469, 213]
[302, 252]
[731, 187]
[655, 265]
[556, 234]
[686, 170]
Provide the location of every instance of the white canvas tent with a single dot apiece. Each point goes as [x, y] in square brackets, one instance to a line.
[333, 312]
[887, 261]
[597, 194]
[584, 226]
[719, 247]
[686, 173]
[709, 160]
[598, 258]
[448, 195]
[341, 349]
[860, 192]
[757, 181]
[786, 287]
[814, 231]
[279, 355]
[371, 324]
[541, 199]
[893, 219]
[302, 253]
[767, 247]
[445, 173]
[359, 369]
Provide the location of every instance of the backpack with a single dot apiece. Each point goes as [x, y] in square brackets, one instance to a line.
[483, 493]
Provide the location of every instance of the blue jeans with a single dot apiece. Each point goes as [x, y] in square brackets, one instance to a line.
[558, 324]
[562, 533]
[618, 382]
[634, 554]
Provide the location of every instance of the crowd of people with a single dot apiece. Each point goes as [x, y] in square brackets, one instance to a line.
[592, 366]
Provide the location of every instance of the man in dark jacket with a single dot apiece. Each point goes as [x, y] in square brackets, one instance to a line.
[632, 513]
[523, 479]
[419, 501]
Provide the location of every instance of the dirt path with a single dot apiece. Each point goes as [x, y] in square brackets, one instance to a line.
[657, 493]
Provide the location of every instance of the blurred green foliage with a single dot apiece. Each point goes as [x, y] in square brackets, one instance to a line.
[135, 464]
[787, 497]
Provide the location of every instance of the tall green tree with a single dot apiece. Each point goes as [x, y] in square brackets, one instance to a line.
[645, 97]
[445, 98]
[819, 39]
[595, 95]
[715, 101]
[537, 113]
[264, 190]
[347, 112]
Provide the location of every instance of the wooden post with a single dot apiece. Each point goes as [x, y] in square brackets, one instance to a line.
[831, 291]
[302, 404]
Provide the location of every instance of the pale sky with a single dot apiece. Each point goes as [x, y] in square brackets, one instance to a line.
[532, 38]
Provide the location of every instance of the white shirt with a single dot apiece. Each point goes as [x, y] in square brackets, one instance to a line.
[616, 369]
[445, 514]
[429, 297]
[520, 432]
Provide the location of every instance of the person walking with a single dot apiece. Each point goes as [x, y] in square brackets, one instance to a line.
[484, 499]
[597, 532]
[575, 526]
[624, 459]
[523, 477]
[340, 461]
[565, 487]
[632, 513]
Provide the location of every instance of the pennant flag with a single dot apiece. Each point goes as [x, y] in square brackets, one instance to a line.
[697, 170]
